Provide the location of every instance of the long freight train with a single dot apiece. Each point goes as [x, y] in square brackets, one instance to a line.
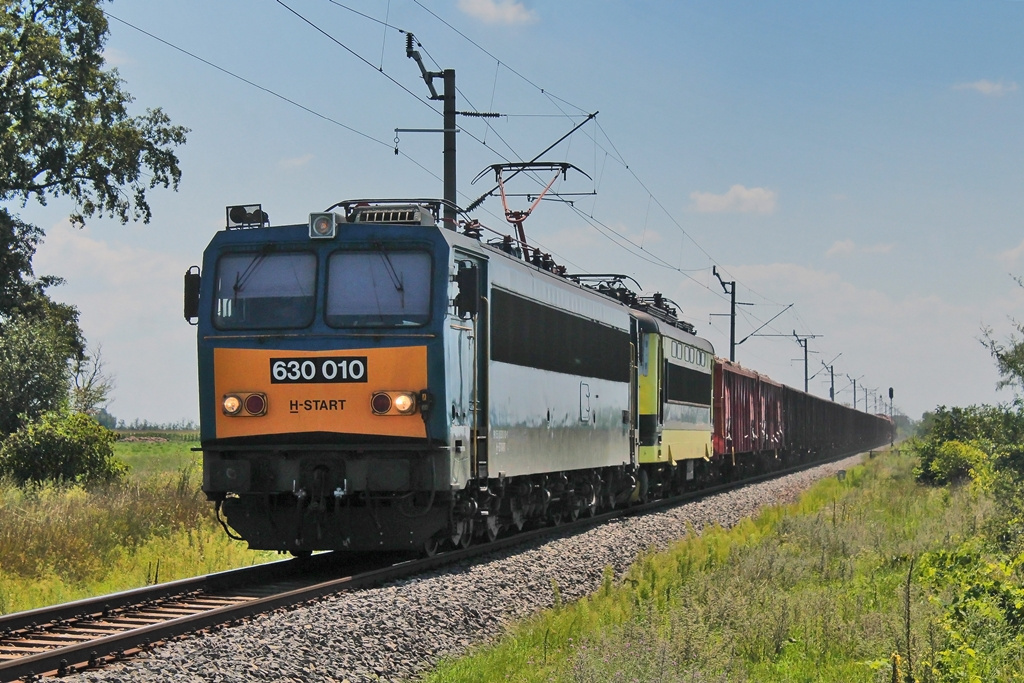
[372, 380]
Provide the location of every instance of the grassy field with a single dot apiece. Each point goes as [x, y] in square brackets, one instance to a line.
[828, 589]
[65, 543]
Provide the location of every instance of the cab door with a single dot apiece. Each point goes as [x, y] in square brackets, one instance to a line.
[467, 363]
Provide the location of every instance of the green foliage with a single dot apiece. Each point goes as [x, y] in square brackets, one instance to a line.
[18, 242]
[34, 371]
[998, 424]
[61, 543]
[63, 447]
[105, 418]
[38, 337]
[67, 131]
[814, 591]
[1008, 355]
[90, 385]
[953, 461]
[982, 619]
[982, 442]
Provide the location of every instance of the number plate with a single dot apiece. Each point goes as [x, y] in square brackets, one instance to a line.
[318, 370]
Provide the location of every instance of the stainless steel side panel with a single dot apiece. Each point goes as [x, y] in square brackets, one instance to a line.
[559, 294]
[542, 421]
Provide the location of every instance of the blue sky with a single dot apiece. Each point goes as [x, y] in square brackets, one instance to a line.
[862, 161]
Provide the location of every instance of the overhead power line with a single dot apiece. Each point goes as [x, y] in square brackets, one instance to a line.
[613, 235]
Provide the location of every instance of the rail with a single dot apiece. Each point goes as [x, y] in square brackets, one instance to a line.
[67, 638]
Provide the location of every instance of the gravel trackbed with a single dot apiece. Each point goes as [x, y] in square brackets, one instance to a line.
[394, 632]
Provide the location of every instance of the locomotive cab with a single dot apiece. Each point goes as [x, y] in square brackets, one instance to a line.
[317, 346]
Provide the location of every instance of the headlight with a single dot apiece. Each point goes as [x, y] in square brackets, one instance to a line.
[322, 225]
[232, 404]
[405, 403]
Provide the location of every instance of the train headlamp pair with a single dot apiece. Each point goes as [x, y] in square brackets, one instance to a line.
[254, 404]
[245, 405]
[394, 402]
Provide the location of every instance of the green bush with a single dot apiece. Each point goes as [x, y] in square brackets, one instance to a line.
[954, 461]
[1000, 424]
[61, 446]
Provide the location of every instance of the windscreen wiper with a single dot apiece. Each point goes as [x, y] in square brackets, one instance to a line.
[396, 279]
[242, 278]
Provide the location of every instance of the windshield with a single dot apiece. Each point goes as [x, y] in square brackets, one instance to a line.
[265, 290]
[378, 288]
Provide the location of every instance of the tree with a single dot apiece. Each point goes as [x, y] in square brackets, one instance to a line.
[90, 384]
[67, 131]
[34, 371]
[1009, 355]
[18, 242]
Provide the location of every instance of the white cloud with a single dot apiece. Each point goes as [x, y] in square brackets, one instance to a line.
[114, 57]
[498, 11]
[296, 162]
[988, 88]
[127, 295]
[873, 329]
[738, 199]
[841, 248]
[847, 247]
[1011, 256]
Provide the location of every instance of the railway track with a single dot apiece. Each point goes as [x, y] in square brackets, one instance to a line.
[63, 639]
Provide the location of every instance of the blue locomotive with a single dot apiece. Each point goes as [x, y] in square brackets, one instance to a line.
[377, 379]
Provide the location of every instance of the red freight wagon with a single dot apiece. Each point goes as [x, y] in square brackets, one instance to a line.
[748, 411]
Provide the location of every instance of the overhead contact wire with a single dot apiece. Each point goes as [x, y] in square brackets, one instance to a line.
[268, 91]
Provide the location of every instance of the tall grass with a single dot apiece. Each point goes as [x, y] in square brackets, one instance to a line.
[814, 591]
[149, 456]
[59, 543]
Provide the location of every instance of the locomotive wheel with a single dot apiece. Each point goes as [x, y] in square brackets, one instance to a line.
[430, 546]
[518, 518]
[467, 534]
[643, 487]
[462, 533]
[492, 528]
[589, 504]
[573, 510]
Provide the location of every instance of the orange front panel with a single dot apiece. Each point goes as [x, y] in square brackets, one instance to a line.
[319, 405]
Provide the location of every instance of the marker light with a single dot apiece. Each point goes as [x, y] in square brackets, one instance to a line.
[232, 404]
[380, 403]
[322, 225]
[256, 404]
